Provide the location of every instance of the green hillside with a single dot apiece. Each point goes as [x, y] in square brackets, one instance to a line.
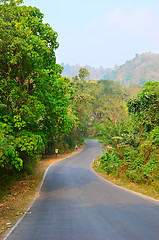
[141, 69]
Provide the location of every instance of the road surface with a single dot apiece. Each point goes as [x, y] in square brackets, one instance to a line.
[76, 204]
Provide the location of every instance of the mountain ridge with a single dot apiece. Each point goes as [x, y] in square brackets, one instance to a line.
[135, 72]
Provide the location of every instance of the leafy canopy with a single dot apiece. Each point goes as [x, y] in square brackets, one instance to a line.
[33, 95]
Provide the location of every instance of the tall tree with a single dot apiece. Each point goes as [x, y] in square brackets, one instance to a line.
[84, 74]
[33, 95]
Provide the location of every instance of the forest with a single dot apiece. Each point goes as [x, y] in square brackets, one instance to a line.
[40, 110]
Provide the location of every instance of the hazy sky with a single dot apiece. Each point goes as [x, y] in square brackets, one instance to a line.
[102, 32]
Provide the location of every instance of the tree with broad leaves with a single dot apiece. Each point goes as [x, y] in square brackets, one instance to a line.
[33, 95]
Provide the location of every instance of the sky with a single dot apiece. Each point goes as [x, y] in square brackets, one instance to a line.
[101, 32]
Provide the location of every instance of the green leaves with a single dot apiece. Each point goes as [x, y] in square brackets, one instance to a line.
[29, 143]
[9, 157]
[145, 108]
[135, 145]
[27, 43]
[19, 123]
[33, 95]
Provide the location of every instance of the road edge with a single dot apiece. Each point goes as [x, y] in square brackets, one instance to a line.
[7, 233]
[124, 188]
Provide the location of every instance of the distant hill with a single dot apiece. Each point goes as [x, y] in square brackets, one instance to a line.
[142, 68]
[95, 73]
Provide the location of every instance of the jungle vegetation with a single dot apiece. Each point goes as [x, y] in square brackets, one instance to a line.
[40, 110]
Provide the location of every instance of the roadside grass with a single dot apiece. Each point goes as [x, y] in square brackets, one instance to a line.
[143, 189]
[20, 195]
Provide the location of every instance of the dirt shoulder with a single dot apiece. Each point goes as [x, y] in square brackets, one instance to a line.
[21, 195]
[148, 191]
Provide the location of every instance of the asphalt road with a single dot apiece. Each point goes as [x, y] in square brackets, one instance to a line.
[76, 204]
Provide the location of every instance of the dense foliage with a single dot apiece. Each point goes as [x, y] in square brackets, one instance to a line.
[33, 95]
[97, 103]
[134, 152]
[40, 110]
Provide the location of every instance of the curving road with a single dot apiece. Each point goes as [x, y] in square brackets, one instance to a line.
[76, 204]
